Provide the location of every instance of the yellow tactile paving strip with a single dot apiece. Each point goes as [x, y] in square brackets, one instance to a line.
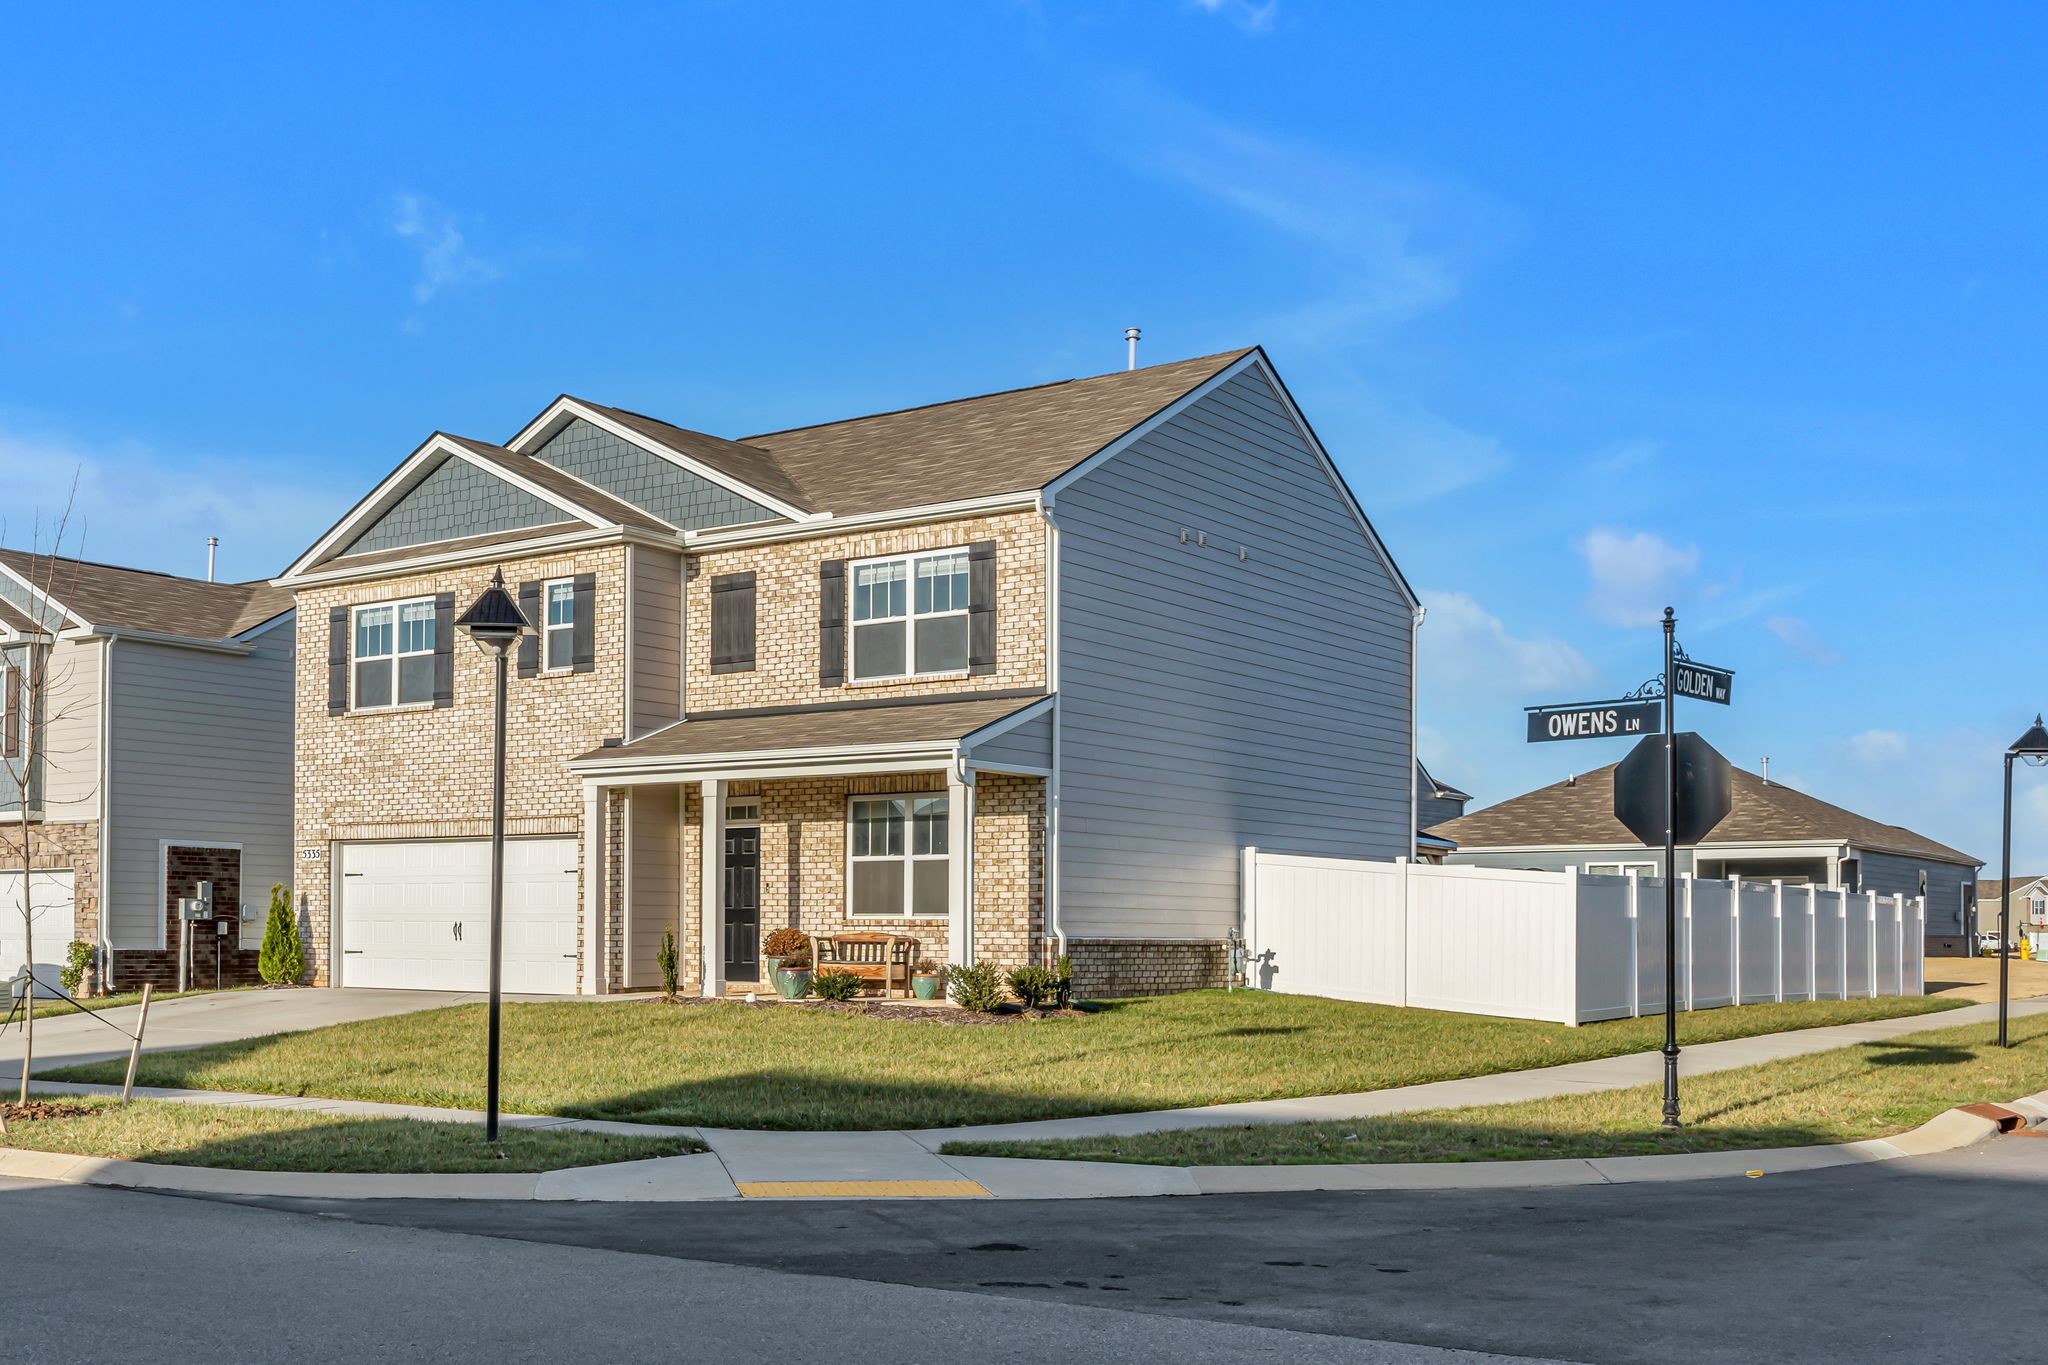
[862, 1189]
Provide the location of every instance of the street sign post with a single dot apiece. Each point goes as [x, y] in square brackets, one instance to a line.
[1593, 720]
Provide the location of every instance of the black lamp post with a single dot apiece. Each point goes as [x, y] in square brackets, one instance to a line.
[2033, 748]
[495, 622]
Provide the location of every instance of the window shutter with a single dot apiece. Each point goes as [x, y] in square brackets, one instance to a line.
[337, 660]
[832, 623]
[583, 635]
[11, 686]
[529, 644]
[444, 649]
[732, 623]
[981, 607]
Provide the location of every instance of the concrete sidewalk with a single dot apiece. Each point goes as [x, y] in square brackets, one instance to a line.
[760, 1164]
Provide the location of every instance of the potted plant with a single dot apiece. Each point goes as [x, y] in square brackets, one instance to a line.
[781, 944]
[793, 976]
[927, 982]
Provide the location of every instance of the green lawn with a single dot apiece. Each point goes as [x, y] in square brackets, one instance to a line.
[51, 1009]
[1870, 1090]
[787, 1067]
[297, 1140]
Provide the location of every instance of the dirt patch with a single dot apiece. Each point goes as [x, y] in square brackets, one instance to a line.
[37, 1110]
[889, 1009]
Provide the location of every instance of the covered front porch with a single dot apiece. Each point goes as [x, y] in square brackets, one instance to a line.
[922, 820]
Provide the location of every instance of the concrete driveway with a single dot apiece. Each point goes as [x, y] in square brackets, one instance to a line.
[196, 1020]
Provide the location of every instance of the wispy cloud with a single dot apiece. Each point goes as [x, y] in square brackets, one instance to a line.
[1634, 576]
[1802, 641]
[445, 257]
[1246, 14]
[1466, 647]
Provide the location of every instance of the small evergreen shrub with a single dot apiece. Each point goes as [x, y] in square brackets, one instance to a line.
[978, 988]
[282, 961]
[77, 958]
[1033, 985]
[665, 958]
[835, 985]
[786, 943]
[1063, 973]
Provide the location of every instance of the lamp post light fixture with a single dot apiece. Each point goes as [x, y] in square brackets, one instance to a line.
[2031, 747]
[495, 622]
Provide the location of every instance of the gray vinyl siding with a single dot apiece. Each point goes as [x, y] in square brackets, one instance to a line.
[1026, 745]
[1208, 702]
[71, 732]
[656, 668]
[201, 750]
[655, 856]
[1563, 860]
[661, 486]
[1889, 873]
[455, 499]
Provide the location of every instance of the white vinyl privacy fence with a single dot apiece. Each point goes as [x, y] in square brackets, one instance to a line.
[1564, 946]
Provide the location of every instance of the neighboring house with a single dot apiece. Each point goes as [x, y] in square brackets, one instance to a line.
[2029, 911]
[1014, 675]
[162, 731]
[1435, 804]
[1771, 833]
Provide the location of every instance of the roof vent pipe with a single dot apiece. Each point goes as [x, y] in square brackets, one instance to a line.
[1131, 336]
[212, 544]
[1767, 770]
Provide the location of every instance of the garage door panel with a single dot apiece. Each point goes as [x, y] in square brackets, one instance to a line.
[402, 903]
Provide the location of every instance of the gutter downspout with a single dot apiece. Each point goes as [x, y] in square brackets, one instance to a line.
[1414, 735]
[1051, 876]
[106, 767]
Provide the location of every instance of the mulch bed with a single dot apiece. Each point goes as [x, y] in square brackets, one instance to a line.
[36, 1110]
[890, 1009]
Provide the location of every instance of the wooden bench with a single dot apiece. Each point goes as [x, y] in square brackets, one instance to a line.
[878, 959]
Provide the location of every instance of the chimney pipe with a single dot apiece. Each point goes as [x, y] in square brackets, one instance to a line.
[1767, 770]
[212, 544]
[1131, 336]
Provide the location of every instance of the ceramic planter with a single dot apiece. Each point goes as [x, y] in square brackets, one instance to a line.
[769, 967]
[927, 987]
[793, 983]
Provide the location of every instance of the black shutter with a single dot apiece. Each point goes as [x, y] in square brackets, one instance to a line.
[832, 623]
[732, 623]
[981, 607]
[583, 635]
[337, 660]
[529, 645]
[444, 649]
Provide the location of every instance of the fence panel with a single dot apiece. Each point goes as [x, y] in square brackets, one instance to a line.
[1888, 916]
[1797, 937]
[1650, 945]
[1758, 935]
[1830, 944]
[1711, 983]
[1859, 937]
[1606, 987]
[1491, 941]
[1327, 926]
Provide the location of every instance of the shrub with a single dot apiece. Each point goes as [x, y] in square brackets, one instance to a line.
[978, 988]
[665, 958]
[281, 960]
[1063, 973]
[77, 958]
[835, 985]
[1033, 985]
[786, 943]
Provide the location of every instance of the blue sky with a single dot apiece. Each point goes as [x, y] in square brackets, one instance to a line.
[1598, 307]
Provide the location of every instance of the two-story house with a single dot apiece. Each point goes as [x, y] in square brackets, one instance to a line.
[1016, 675]
[145, 721]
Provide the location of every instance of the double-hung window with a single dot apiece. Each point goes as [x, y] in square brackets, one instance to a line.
[560, 629]
[899, 853]
[910, 616]
[394, 655]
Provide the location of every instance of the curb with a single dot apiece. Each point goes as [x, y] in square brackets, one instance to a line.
[702, 1176]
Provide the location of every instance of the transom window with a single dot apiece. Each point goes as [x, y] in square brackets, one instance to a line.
[559, 631]
[910, 616]
[394, 655]
[1621, 869]
[898, 853]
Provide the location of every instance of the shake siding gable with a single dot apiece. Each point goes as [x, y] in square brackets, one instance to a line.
[1208, 701]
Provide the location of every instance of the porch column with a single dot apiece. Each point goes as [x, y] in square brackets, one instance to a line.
[590, 977]
[711, 886]
[960, 867]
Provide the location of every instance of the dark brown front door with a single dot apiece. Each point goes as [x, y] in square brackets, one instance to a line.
[742, 902]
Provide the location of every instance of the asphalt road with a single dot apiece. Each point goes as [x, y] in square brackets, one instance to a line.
[1929, 1260]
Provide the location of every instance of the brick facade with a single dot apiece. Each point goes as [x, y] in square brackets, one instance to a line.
[1108, 968]
[426, 773]
[66, 846]
[184, 869]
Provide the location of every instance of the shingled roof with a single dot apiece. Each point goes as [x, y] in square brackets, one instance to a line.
[140, 599]
[1580, 813]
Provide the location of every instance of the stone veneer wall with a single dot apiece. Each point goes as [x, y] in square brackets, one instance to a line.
[66, 846]
[785, 671]
[1108, 968]
[423, 773]
[803, 864]
[184, 869]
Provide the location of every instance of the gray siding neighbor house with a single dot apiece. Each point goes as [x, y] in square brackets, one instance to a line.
[163, 739]
[1771, 833]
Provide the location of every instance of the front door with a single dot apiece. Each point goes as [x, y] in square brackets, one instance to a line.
[742, 902]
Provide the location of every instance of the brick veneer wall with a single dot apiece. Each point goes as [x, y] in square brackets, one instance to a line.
[67, 846]
[785, 671]
[803, 864]
[1108, 968]
[184, 869]
[425, 773]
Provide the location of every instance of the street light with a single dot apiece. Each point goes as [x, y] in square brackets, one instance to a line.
[495, 622]
[2032, 747]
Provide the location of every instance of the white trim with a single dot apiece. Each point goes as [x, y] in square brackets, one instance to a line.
[919, 756]
[548, 667]
[626, 633]
[200, 643]
[106, 811]
[910, 559]
[496, 552]
[538, 431]
[48, 601]
[825, 524]
[590, 845]
[711, 887]
[396, 606]
[909, 858]
[163, 886]
[1030, 711]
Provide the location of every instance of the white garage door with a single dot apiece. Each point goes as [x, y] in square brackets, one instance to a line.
[49, 899]
[418, 915]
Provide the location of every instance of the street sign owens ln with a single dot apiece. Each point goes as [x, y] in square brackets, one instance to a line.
[1595, 720]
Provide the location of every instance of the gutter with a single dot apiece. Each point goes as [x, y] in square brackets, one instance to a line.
[1050, 878]
[159, 637]
[1414, 727]
[106, 765]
